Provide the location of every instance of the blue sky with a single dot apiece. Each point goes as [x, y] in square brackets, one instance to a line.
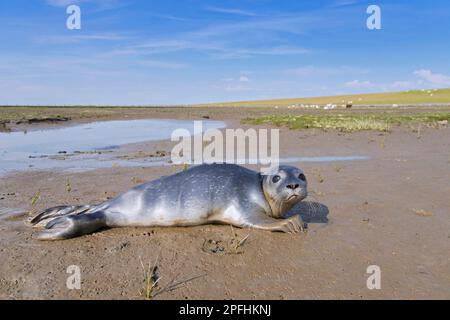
[193, 51]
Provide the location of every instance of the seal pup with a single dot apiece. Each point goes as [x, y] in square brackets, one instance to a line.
[203, 194]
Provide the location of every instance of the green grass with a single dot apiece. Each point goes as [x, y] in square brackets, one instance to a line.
[14, 114]
[412, 97]
[349, 122]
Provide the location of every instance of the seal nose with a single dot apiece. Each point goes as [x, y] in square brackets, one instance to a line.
[293, 186]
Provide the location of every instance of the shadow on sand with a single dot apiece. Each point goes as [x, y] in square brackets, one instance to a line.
[311, 212]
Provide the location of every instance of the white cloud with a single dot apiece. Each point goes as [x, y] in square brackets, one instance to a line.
[343, 3]
[359, 84]
[214, 49]
[173, 45]
[231, 11]
[238, 84]
[434, 79]
[241, 53]
[64, 3]
[163, 64]
[167, 17]
[404, 85]
[313, 71]
[241, 78]
[79, 38]
[426, 79]
[237, 88]
[100, 4]
[249, 37]
[109, 37]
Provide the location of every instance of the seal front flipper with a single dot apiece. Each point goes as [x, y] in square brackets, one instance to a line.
[67, 227]
[293, 224]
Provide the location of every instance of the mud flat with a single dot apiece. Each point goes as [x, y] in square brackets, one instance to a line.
[390, 208]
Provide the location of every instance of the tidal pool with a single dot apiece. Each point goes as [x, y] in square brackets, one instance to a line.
[90, 146]
[25, 150]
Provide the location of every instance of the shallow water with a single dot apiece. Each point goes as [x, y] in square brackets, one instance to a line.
[89, 146]
[25, 150]
[11, 214]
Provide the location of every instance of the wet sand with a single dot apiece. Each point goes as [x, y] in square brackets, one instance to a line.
[392, 210]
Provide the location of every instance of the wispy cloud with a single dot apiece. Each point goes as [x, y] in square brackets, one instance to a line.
[171, 45]
[423, 79]
[241, 78]
[238, 88]
[65, 3]
[78, 38]
[296, 24]
[404, 85]
[232, 40]
[218, 50]
[242, 53]
[240, 83]
[232, 11]
[246, 39]
[235, 87]
[100, 4]
[356, 84]
[167, 17]
[343, 3]
[314, 71]
[163, 64]
[435, 79]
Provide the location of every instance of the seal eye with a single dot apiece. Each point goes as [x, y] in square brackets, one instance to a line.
[275, 179]
[302, 177]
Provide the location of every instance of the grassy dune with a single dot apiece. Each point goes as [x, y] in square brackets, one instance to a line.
[413, 97]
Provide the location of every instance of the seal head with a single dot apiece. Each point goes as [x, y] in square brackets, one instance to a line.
[284, 188]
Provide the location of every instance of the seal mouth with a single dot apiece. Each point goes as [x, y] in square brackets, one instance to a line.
[292, 197]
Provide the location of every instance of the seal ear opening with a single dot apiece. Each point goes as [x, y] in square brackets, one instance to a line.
[261, 177]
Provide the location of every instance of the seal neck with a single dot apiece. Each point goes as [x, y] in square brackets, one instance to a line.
[274, 209]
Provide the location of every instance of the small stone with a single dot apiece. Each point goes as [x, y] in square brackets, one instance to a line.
[423, 213]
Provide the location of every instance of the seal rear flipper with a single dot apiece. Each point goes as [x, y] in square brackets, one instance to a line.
[67, 227]
[42, 218]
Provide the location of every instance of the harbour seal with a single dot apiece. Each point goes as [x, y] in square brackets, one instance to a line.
[203, 194]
